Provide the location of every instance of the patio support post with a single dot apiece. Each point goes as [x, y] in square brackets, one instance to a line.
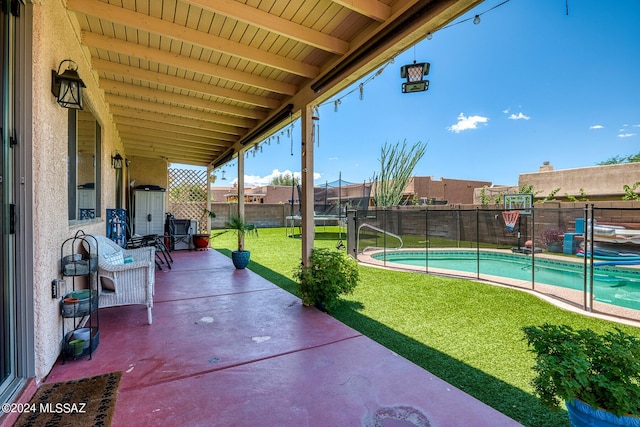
[307, 183]
[208, 202]
[241, 184]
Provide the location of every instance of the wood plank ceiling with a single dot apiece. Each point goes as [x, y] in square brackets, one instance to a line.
[196, 81]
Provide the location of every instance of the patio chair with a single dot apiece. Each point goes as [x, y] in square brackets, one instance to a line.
[125, 276]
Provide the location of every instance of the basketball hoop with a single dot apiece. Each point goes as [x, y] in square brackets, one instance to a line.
[510, 219]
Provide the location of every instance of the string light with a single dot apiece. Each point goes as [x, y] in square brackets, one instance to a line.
[360, 88]
[475, 18]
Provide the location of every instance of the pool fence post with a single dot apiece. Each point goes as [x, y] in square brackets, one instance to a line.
[477, 242]
[533, 249]
[586, 255]
[591, 296]
[426, 240]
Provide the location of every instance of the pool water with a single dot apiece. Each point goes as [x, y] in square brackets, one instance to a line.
[614, 285]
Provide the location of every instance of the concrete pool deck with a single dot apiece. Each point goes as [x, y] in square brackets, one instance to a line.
[565, 298]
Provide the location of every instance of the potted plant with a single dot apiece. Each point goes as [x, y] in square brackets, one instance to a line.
[240, 257]
[329, 274]
[553, 239]
[201, 240]
[597, 375]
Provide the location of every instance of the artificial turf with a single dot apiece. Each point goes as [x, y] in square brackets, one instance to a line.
[467, 333]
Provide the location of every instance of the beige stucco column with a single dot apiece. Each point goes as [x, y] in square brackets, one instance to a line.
[307, 183]
[241, 155]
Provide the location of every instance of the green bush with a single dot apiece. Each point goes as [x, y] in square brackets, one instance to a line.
[602, 370]
[329, 274]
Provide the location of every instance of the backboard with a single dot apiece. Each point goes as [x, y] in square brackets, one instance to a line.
[518, 202]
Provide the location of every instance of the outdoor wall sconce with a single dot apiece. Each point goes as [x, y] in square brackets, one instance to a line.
[413, 73]
[67, 87]
[116, 161]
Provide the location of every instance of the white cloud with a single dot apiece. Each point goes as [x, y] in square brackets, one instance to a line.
[596, 127]
[506, 111]
[519, 116]
[636, 126]
[626, 135]
[256, 180]
[466, 123]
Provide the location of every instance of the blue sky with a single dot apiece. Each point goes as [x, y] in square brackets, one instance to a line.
[528, 84]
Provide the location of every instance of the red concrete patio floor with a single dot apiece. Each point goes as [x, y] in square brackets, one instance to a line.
[228, 348]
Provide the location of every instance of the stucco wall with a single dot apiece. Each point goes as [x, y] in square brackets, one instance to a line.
[55, 38]
[597, 182]
[146, 171]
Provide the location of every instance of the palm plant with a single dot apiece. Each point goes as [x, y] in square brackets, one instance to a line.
[241, 228]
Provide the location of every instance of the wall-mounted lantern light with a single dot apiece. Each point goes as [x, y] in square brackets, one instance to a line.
[414, 73]
[116, 161]
[67, 87]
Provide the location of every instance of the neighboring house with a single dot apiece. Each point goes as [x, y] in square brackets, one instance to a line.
[443, 191]
[421, 190]
[604, 182]
[595, 183]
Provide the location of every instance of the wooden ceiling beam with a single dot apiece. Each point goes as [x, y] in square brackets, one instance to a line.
[182, 83]
[180, 111]
[182, 62]
[197, 141]
[373, 9]
[275, 24]
[114, 87]
[125, 110]
[171, 143]
[144, 22]
[172, 128]
[171, 155]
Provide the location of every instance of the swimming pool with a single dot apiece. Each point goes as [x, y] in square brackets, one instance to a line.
[613, 285]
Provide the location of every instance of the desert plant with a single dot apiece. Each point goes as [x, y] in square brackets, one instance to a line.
[397, 163]
[601, 370]
[329, 274]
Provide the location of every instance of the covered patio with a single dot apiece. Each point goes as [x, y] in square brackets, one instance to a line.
[229, 348]
[175, 82]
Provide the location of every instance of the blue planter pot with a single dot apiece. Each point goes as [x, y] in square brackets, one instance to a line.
[583, 415]
[240, 258]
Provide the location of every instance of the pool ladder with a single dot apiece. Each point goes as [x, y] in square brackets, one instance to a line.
[380, 230]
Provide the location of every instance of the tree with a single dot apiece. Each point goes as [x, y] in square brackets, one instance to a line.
[616, 160]
[285, 179]
[397, 163]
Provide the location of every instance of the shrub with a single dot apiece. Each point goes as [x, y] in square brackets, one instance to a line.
[602, 370]
[329, 274]
[552, 236]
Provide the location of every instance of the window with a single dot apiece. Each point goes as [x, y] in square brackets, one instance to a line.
[84, 166]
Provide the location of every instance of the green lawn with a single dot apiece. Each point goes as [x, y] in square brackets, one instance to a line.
[466, 333]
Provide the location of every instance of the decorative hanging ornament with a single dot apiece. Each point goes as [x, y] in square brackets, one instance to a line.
[335, 105]
[316, 125]
[361, 91]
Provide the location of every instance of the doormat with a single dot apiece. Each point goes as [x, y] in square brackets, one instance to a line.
[83, 402]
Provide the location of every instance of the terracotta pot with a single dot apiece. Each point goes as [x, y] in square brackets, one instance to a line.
[201, 241]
